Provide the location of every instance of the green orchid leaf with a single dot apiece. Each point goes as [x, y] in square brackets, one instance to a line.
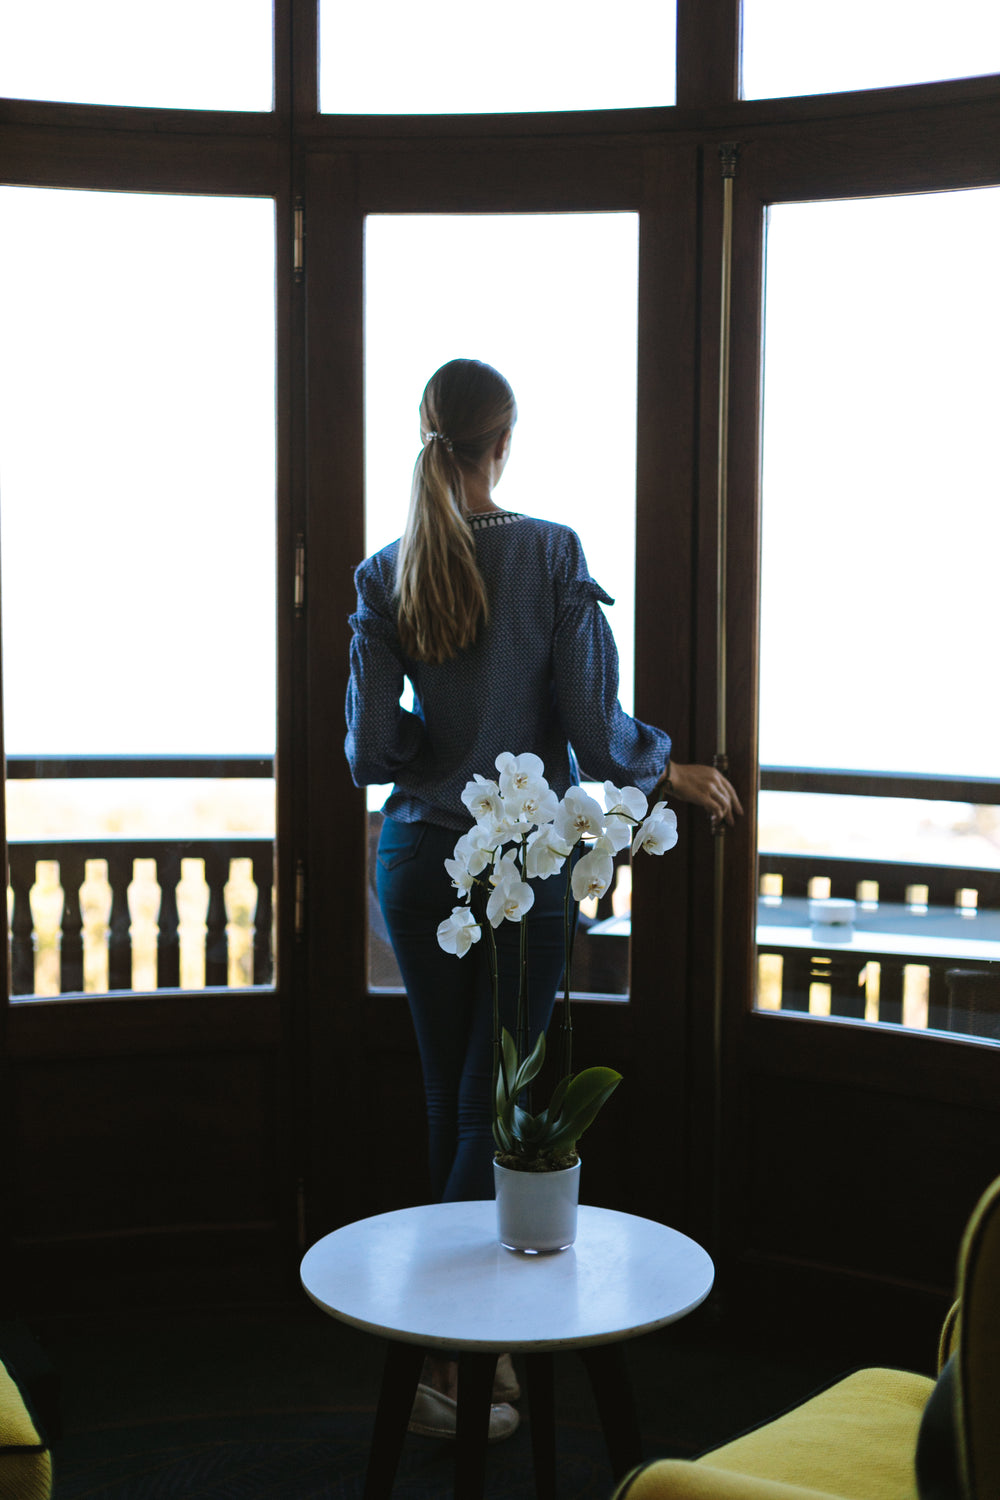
[508, 1063]
[528, 1128]
[559, 1094]
[584, 1097]
[532, 1065]
[505, 1105]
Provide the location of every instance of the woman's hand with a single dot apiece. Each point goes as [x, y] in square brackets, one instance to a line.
[704, 786]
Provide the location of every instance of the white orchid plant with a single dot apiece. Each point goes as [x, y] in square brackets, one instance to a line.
[522, 831]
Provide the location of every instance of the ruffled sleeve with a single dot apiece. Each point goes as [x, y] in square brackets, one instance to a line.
[608, 743]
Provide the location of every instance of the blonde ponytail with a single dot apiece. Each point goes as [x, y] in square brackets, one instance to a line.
[441, 596]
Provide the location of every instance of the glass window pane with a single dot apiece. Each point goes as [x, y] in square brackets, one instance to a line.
[550, 300]
[390, 57]
[188, 54]
[137, 531]
[881, 527]
[792, 48]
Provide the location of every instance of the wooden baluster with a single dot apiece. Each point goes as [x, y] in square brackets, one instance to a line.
[847, 995]
[263, 875]
[119, 937]
[216, 942]
[168, 942]
[795, 979]
[890, 989]
[22, 878]
[938, 999]
[71, 876]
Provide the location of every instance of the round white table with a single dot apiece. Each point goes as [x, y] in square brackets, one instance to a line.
[435, 1277]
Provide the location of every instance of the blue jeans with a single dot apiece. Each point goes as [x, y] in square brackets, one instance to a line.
[451, 999]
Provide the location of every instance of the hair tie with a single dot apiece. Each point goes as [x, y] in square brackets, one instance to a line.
[430, 436]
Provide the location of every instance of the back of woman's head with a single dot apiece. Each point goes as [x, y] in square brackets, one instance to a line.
[466, 409]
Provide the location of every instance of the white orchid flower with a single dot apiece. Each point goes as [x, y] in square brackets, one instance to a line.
[658, 833]
[618, 833]
[473, 852]
[506, 827]
[593, 874]
[516, 771]
[625, 807]
[511, 896]
[624, 802]
[546, 853]
[579, 817]
[475, 848]
[457, 933]
[461, 876]
[482, 798]
[537, 804]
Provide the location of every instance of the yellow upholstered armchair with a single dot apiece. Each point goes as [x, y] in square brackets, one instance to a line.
[877, 1434]
[25, 1461]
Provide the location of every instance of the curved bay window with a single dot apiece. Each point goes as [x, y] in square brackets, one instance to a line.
[751, 330]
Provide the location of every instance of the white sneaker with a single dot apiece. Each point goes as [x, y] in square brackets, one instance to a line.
[505, 1382]
[436, 1415]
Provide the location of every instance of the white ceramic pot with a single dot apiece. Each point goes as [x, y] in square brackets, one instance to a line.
[536, 1211]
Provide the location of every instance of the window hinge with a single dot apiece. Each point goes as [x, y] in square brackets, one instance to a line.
[300, 898]
[299, 594]
[299, 241]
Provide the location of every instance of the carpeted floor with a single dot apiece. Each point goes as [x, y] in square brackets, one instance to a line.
[278, 1401]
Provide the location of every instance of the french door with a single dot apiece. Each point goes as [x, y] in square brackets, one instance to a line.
[836, 1100]
[571, 270]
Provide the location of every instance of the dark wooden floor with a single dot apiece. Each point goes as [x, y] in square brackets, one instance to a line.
[696, 1383]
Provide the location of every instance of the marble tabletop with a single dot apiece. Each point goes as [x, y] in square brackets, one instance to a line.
[437, 1276]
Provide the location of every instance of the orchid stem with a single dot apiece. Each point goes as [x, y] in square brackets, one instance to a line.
[523, 1018]
[569, 931]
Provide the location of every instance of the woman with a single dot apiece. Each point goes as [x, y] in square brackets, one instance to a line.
[495, 620]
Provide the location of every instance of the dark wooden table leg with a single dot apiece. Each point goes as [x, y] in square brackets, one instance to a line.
[475, 1391]
[612, 1387]
[403, 1363]
[539, 1372]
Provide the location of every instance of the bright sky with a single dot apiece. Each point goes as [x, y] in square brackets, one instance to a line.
[137, 472]
[881, 491]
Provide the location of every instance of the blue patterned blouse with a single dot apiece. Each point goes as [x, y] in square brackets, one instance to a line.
[542, 676]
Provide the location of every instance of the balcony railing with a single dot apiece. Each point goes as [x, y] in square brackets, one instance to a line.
[116, 913]
[927, 935]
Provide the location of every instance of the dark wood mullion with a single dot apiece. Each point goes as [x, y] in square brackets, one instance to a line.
[708, 52]
[933, 149]
[665, 480]
[144, 161]
[742, 645]
[500, 177]
[305, 57]
[738, 851]
[333, 947]
[128, 119]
